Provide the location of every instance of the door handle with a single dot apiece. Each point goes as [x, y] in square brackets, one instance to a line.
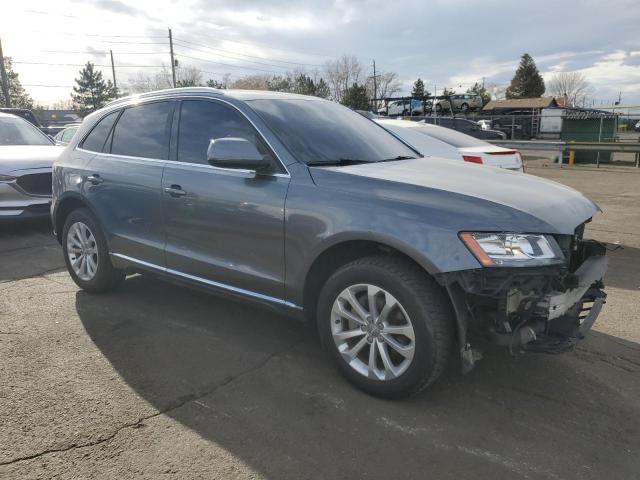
[95, 179]
[175, 191]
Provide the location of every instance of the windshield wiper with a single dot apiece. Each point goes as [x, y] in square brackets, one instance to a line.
[340, 161]
[399, 157]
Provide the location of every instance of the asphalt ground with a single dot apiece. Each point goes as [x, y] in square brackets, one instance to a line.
[158, 381]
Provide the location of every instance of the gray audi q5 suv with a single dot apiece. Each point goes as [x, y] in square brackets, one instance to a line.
[308, 207]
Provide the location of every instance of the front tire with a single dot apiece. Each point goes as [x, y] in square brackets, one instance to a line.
[388, 325]
[86, 254]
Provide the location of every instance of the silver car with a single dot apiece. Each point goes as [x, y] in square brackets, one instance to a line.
[26, 158]
[461, 101]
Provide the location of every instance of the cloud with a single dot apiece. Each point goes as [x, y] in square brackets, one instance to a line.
[118, 7]
[445, 42]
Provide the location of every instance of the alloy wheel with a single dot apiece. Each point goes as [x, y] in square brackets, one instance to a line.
[82, 251]
[372, 332]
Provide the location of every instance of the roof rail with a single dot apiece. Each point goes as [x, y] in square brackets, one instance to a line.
[164, 92]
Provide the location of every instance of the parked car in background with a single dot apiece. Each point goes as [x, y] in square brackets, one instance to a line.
[443, 142]
[26, 156]
[636, 127]
[64, 136]
[484, 124]
[466, 126]
[402, 108]
[460, 101]
[399, 260]
[415, 134]
[22, 113]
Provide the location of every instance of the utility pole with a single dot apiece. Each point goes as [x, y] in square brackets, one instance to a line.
[375, 87]
[113, 72]
[173, 61]
[5, 81]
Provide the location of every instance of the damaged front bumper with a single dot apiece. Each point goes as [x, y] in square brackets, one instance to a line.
[542, 309]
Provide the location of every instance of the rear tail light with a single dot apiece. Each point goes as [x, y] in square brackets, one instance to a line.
[472, 159]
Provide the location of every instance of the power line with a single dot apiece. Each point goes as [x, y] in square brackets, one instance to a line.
[95, 35]
[84, 64]
[42, 85]
[100, 52]
[267, 47]
[233, 58]
[229, 64]
[243, 54]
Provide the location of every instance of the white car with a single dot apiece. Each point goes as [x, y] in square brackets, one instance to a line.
[432, 140]
[484, 124]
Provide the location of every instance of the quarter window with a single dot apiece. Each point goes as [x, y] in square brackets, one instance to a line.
[203, 121]
[96, 140]
[143, 131]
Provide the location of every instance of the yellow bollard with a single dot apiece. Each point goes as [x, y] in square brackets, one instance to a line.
[572, 157]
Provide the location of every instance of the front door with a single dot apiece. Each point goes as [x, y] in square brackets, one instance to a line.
[223, 226]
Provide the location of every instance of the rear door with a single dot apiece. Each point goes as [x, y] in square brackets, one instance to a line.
[223, 226]
[124, 181]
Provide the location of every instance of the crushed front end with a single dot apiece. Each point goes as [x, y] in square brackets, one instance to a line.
[543, 308]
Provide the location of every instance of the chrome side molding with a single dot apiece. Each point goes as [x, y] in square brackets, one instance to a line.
[206, 281]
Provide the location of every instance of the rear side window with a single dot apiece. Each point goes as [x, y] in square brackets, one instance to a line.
[97, 138]
[143, 131]
[202, 121]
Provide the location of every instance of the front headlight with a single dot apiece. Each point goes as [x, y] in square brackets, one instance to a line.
[512, 249]
[6, 178]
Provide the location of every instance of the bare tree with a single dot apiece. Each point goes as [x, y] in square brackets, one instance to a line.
[497, 92]
[252, 82]
[388, 83]
[341, 74]
[186, 76]
[573, 86]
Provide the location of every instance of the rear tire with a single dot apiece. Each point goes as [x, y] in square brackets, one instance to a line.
[86, 253]
[411, 343]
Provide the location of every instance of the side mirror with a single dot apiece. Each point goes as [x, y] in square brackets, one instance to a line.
[235, 153]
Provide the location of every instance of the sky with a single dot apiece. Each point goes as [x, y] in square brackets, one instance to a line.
[447, 43]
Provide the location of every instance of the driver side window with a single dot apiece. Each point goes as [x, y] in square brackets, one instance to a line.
[201, 121]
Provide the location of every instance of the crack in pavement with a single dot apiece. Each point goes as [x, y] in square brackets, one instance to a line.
[36, 275]
[138, 423]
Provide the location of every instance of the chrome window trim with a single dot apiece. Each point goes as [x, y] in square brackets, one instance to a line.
[206, 281]
[182, 98]
[175, 162]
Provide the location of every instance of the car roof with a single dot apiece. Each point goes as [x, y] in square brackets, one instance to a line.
[213, 92]
[11, 115]
[399, 123]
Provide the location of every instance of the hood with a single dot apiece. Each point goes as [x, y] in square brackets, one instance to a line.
[544, 206]
[26, 157]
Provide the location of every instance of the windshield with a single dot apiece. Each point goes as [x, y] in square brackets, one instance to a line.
[419, 139]
[317, 132]
[16, 131]
[453, 137]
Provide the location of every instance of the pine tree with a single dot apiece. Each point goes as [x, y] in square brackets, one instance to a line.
[19, 97]
[356, 97]
[92, 92]
[527, 81]
[418, 88]
[322, 89]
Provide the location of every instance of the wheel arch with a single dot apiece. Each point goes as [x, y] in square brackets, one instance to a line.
[65, 205]
[344, 249]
